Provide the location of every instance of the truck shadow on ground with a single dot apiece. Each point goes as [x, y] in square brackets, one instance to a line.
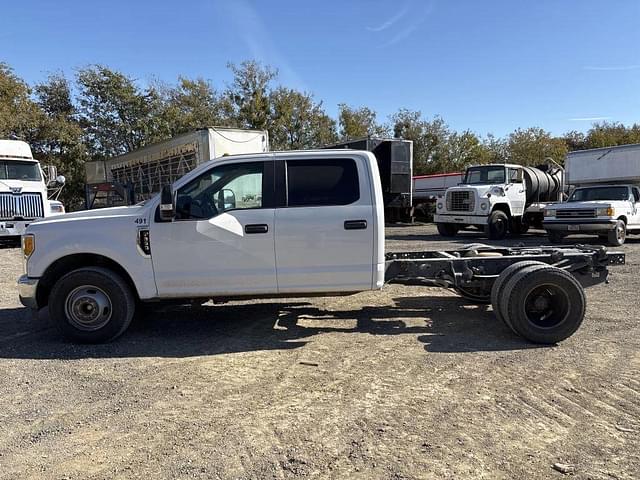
[443, 324]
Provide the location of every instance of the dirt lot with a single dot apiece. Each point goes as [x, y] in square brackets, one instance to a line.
[405, 383]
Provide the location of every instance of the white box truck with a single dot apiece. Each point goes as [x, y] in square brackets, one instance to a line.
[138, 175]
[23, 190]
[605, 197]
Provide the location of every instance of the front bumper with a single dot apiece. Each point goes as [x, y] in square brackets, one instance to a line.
[27, 288]
[12, 228]
[579, 225]
[460, 219]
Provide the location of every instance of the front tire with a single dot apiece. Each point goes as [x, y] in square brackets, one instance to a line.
[447, 229]
[498, 225]
[91, 305]
[618, 235]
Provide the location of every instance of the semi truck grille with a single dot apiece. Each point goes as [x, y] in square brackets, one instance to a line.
[25, 205]
[575, 213]
[460, 201]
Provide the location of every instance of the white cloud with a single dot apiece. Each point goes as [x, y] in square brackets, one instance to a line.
[588, 119]
[617, 68]
[401, 13]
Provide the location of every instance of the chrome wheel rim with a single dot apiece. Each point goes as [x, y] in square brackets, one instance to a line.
[88, 308]
[620, 232]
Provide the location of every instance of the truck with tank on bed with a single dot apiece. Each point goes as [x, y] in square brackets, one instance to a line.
[286, 224]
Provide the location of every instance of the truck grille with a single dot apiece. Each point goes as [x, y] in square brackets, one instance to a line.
[460, 201]
[575, 213]
[25, 205]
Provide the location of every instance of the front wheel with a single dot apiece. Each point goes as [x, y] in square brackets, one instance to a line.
[497, 227]
[91, 305]
[618, 235]
[447, 229]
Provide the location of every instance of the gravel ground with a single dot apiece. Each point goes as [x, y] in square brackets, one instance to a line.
[409, 382]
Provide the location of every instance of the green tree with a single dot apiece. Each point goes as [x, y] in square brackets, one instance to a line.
[190, 105]
[608, 134]
[249, 95]
[297, 121]
[359, 122]
[532, 146]
[59, 140]
[115, 114]
[20, 116]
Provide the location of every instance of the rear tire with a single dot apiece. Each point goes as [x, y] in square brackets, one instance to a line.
[91, 305]
[498, 286]
[497, 227]
[447, 229]
[618, 235]
[544, 304]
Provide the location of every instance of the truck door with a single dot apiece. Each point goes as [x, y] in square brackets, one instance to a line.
[515, 191]
[635, 207]
[221, 241]
[325, 230]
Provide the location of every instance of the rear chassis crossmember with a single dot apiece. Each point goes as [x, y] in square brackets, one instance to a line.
[478, 266]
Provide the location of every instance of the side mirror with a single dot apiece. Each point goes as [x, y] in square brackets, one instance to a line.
[229, 199]
[56, 182]
[167, 206]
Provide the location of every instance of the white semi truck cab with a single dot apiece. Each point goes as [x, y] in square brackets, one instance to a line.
[498, 198]
[23, 190]
[283, 224]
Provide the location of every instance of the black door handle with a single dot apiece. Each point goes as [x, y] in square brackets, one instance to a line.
[355, 224]
[256, 228]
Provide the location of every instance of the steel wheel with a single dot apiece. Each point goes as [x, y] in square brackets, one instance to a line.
[88, 308]
[546, 306]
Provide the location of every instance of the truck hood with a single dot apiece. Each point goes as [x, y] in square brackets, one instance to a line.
[100, 213]
[481, 190]
[591, 204]
[26, 186]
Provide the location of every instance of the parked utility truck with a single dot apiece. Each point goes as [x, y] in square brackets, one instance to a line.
[23, 189]
[287, 224]
[499, 198]
[605, 200]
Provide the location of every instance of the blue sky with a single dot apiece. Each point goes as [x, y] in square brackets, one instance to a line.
[488, 66]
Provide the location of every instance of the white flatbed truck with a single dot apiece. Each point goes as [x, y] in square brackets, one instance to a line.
[286, 224]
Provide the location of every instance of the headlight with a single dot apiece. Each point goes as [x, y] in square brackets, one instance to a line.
[483, 206]
[28, 244]
[56, 207]
[439, 205]
[549, 213]
[606, 212]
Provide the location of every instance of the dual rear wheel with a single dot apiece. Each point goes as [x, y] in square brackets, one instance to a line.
[539, 302]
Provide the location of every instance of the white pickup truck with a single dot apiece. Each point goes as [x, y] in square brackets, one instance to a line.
[609, 211]
[279, 224]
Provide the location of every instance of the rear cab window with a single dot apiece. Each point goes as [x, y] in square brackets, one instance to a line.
[322, 182]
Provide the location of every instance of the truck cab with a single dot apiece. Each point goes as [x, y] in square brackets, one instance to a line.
[609, 211]
[23, 190]
[270, 224]
[489, 197]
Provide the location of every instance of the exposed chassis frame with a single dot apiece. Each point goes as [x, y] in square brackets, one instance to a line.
[477, 266]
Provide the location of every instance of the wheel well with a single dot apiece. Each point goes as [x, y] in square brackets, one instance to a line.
[64, 265]
[503, 207]
[623, 218]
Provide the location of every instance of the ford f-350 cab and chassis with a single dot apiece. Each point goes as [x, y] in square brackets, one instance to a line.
[280, 224]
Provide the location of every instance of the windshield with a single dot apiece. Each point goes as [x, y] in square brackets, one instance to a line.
[16, 170]
[599, 193]
[484, 175]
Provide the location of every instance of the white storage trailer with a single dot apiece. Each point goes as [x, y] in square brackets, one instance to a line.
[619, 164]
[138, 175]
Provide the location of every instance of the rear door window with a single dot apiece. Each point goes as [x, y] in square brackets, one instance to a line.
[322, 182]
